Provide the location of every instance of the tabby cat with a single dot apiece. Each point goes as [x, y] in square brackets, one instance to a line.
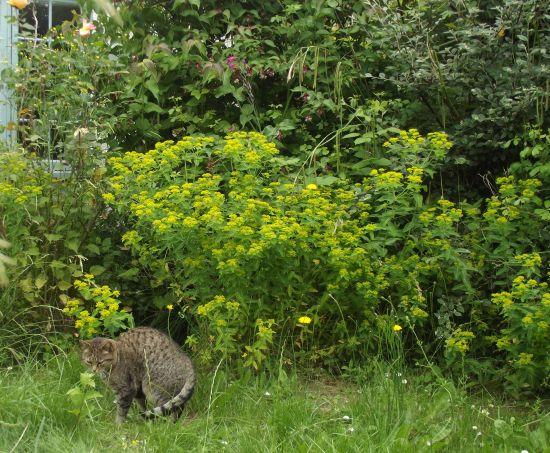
[144, 364]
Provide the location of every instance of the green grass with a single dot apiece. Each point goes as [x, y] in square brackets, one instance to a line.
[383, 410]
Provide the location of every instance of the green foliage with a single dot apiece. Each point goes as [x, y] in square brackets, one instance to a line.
[525, 334]
[213, 222]
[81, 396]
[51, 225]
[64, 94]
[247, 253]
[535, 155]
[326, 79]
[475, 69]
[98, 312]
[324, 236]
[378, 408]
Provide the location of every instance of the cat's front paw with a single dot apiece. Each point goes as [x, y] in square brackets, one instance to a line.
[119, 419]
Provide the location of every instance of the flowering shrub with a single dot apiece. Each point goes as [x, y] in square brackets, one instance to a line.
[253, 257]
[525, 333]
[214, 224]
[99, 311]
[51, 224]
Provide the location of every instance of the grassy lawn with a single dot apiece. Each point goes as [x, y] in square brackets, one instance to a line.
[382, 410]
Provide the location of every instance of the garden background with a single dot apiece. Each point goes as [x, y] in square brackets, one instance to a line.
[351, 194]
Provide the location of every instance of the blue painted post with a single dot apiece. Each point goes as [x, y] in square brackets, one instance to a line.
[8, 57]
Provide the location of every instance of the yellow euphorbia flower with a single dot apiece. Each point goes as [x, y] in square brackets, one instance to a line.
[19, 4]
[304, 320]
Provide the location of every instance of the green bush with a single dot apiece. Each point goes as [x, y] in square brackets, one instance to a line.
[327, 247]
[58, 229]
[260, 264]
[325, 79]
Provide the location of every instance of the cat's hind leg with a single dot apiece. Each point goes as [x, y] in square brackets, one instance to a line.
[142, 401]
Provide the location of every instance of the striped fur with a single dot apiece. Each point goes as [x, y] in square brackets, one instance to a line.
[175, 403]
[143, 364]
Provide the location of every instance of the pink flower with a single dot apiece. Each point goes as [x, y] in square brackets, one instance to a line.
[86, 29]
[307, 118]
[231, 62]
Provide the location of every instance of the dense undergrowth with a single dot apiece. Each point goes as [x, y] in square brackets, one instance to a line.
[287, 186]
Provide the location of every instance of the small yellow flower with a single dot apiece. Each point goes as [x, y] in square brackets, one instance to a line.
[397, 328]
[170, 307]
[304, 320]
[108, 197]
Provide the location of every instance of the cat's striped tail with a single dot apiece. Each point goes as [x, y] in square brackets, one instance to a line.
[178, 401]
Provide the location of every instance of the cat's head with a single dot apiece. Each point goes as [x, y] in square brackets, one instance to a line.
[99, 354]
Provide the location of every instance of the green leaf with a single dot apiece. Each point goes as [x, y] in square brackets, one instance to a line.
[153, 87]
[151, 107]
[87, 380]
[92, 395]
[63, 285]
[93, 248]
[72, 244]
[439, 434]
[97, 269]
[502, 428]
[130, 273]
[53, 237]
[326, 180]
[40, 281]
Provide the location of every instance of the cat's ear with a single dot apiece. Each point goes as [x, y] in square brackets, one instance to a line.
[84, 345]
[108, 346]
